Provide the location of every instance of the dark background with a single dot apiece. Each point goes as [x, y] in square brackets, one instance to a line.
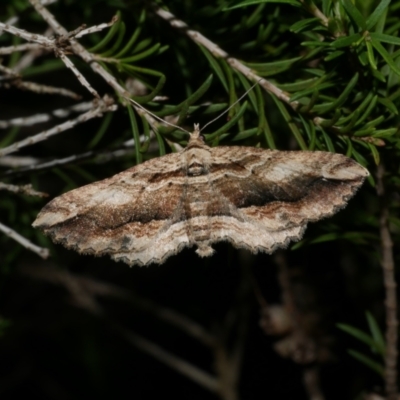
[70, 324]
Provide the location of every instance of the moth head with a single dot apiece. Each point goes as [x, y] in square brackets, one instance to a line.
[196, 137]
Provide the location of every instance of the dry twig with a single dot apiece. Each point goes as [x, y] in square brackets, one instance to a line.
[28, 58]
[24, 189]
[219, 53]
[83, 293]
[45, 117]
[19, 48]
[390, 285]
[18, 162]
[40, 251]
[89, 58]
[97, 111]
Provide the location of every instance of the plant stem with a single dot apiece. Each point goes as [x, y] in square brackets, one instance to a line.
[390, 290]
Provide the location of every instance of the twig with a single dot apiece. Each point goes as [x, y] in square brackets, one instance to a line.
[181, 322]
[9, 73]
[83, 290]
[96, 28]
[19, 48]
[389, 281]
[202, 378]
[95, 112]
[18, 162]
[69, 64]
[375, 396]
[228, 358]
[94, 287]
[40, 118]
[58, 45]
[30, 37]
[300, 344]
[28, 58]
[40, 88]
[24, 189]
[47, 2]
[219, 53]
[314, 10]
[99, 157]
[79, 50]
[312, 383]
[74, 159]
[40, 251]
[10, 21]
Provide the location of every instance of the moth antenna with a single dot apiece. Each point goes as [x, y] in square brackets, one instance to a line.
[156, 116]
[232, 105]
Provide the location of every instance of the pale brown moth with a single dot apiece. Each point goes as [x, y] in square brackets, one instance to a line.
[254, 198]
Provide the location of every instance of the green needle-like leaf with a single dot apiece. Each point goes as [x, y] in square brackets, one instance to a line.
[246, 3]
[215, 135]
[135, 131]
[381, 37]
[369, 362]
[324, 108]
[190, 100]
[347, 40]
[140, 56]
[354, 14]
[358, 334]
[111, 33]
[216, 67]
[133, 38]
[117, 44]
[378, 12]
[370, 53]
[376, 333]
[293, 127]
[386, 56]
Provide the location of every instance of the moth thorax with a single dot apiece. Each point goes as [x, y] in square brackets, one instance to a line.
[197, 161]
[195, 169]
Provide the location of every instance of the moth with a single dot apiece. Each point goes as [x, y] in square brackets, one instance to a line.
[256, 199]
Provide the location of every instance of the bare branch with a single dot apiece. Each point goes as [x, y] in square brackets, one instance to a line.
[180, 321]
[69, 64]
[103, 106]
[190, 371]
[40, 118]
[219, 53]
[47, 2]
[40, 251]
[84, 291]
[314, 10]
[54, 44]
[30, 37]
[17, 162]
[24, 189]
[28, 58]
[19, 48]
[48, 17]
[10, 21]
[96, 28]
[312, 383]
[389, 281]
[228, 357]
[375, 396]
[40, 88]
[90, 60]
[74, 159]
[9, 73]
[99, 157]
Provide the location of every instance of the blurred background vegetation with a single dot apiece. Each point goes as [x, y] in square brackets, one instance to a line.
[305, 323]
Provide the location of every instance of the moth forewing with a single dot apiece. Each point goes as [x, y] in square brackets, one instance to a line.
[255, 199]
